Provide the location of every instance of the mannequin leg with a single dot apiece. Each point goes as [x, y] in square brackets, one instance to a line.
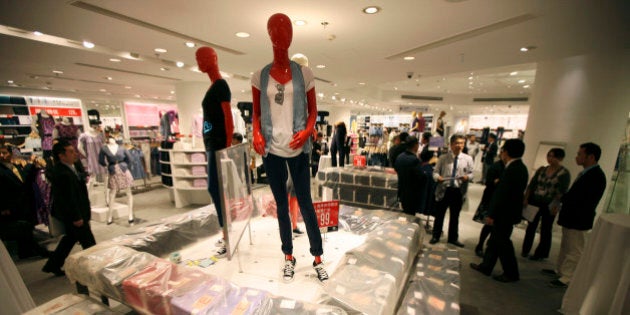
[130, 205]
[112, 198]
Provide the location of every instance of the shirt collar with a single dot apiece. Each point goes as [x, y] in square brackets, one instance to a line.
[586, 169]
[510, 162]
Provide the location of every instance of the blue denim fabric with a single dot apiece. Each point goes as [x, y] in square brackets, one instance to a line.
[277, 175]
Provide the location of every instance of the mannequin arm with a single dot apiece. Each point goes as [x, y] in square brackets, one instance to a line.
[302, 136]
[229, 123]
[259, 140]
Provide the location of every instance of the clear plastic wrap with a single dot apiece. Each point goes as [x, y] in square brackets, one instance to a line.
[279, 305]
[363, 289]
[110, 278]
[57, 304]
[87, 307]
[204, 298]
[84, 266]
[149, 291]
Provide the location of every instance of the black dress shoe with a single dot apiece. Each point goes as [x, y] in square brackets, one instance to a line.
[479, 268]
[456, 243]
[536, 258]
[130, 221]
[524, 255]
[56, 271]
[504, 278]
[434, 240]
[549, 272]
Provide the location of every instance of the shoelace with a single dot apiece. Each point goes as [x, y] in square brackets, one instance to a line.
[321, 272]
[289, 268]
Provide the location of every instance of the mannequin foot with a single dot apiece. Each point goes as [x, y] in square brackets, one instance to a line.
[110, 221]
[130, 221]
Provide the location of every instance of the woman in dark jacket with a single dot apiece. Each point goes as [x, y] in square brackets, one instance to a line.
[338, 144]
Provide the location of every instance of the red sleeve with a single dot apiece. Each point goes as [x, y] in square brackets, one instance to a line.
[256, 110]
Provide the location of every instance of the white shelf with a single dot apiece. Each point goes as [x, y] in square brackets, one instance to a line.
[182, 191]
[188, 164]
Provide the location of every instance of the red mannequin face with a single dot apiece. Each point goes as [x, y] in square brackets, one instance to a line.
[206, 59]
[280, 31]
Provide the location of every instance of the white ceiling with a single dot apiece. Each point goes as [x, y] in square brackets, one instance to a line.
[451, 41]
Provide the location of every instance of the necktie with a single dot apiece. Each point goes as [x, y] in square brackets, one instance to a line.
[454, 173]
[17, 173]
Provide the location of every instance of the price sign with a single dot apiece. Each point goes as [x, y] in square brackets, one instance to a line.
[327, 213]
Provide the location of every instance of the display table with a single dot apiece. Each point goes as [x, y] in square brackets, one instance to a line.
[325, 161]
[601, 281]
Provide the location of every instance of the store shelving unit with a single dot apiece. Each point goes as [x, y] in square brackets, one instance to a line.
[15, 121]
[187, 171]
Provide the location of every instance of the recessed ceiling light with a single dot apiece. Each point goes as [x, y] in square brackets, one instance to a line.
[87, 44]
[528, 48]
[10, 81]
[409, 58]
[526, 86]
[172, 92]
[321, 66]
[361, 83]
[179, 64]
[190, 44]
[38, 33]
[160, 50]
[300, 22]
[521, 81]
[137, 95]
[57, 71]
[371, 10]
[513, 73]
[114, 59]
[127, 87]
[242, 34]
[103, 90]
[109, 78]
[164, 68]
[470, 78]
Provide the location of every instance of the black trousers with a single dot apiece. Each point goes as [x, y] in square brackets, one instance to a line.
[544, 246]
[453, 200]
[21, 232]
[483, 235]
[74, 234]
[500, 247]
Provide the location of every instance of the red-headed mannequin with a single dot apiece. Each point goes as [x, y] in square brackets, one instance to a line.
[207, 61]
[281, 34]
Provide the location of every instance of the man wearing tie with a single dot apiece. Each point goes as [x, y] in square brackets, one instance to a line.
[452, 174]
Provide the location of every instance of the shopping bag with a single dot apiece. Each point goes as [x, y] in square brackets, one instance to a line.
[529, 212]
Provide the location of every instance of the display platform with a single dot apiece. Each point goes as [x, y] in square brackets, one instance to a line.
[370, 260]
[119, 210]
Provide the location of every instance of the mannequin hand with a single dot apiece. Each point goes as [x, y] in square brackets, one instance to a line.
[259, 143]
[78, 223]
[489, 221]
[299, 139]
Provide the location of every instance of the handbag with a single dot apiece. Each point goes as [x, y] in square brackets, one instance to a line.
[56, 227]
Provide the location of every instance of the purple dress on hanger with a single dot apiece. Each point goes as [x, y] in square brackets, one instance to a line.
[45, 126]
[68, 133]
[92, 146]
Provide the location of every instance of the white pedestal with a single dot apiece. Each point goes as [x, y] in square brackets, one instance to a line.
[99, 213]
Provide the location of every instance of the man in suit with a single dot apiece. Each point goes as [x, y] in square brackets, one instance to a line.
[489, 153]
[17, 211]
[452, 173]
[71, 205]
[411, 180]
[505, 210]
[577, 212]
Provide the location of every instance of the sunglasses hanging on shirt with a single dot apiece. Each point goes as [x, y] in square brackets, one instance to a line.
[279, 97]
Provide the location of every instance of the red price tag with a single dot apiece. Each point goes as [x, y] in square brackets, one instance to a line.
[327, 213]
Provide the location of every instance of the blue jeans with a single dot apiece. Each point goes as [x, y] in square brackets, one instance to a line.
[277, 175]
[213, 184]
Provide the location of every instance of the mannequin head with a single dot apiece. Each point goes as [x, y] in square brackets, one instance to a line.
[301, 59]
[280, 31]
[207, 60]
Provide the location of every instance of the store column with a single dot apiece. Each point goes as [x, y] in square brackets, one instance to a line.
[189, 97]
[580, 99]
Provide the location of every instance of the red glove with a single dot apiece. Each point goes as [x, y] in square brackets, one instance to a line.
[259, 142]
[300, 138]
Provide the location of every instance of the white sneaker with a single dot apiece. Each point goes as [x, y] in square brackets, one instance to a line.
[221, 252]
[288, 270]
[219, 243]
[322, 275]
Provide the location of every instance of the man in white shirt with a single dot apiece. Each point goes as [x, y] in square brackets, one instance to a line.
[452, 174]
